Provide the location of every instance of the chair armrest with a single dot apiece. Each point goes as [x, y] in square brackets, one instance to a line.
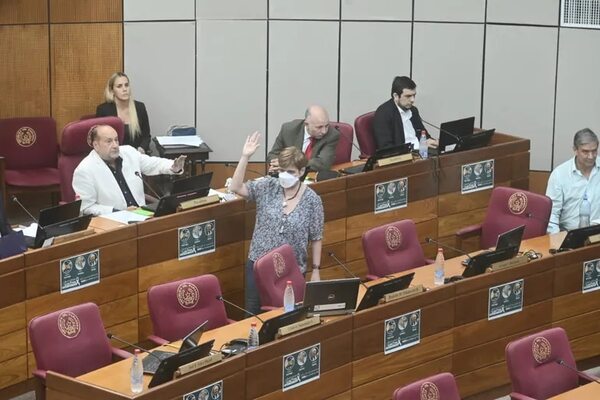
[469, 231]
[268, 308]
[519, 396]
[371, 277]
[587, 378]
[158, 340]
[429, 261]
[39, 373]
[120, 353]
[230, 321]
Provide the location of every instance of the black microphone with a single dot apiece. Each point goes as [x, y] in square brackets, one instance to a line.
[458, 138]
[234, 165]
[219, 297]
[346, 139]
[579, 373]
[542, 220]
[118, 339]
[147, 185]
[341, 264]
[16, 200]
[464, 253]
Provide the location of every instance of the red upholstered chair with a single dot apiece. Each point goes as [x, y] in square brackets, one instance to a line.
[392, 248]
[74, 148]
[509, 208]
[271, 273]
[28, 155]
[440, 387]
[71, 341]
[343, 151]
[363, 125]
[177, 308]
[533, 365]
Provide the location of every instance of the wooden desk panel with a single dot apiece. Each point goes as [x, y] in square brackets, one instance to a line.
[569, 271]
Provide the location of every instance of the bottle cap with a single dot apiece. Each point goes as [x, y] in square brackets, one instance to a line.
[253, 324]
[440, 249]
[289, 282]
[137, 351]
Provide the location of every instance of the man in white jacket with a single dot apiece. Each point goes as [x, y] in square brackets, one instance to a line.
[110, 177]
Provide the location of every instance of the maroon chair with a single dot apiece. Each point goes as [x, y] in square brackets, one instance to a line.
[71, 341]
[343, 151]
[363, 125]
[392, 248]
[74, 148]
[534, 369]
[177, 308]
[439, 387]
[271, 273]
[28, 155]
[509, 208]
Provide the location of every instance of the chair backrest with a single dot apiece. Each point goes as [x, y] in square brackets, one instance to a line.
[392, 248]
[511, 207]
[533, 368]
[71, 341]
[28, 143]
[271, 273]
[74, 148]
[363, 125]
[439, 387]
[343, 151]
[176, 308]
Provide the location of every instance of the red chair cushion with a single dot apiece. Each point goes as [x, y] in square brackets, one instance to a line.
[29, 143]
[32, 177]
[363, 125]
[343, 151]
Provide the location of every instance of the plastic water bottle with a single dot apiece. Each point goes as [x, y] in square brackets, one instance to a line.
[423, 151]
[438, 278]
[288, 297]
[315, 276]
[585, 209]
[137, 373]
[253, 337]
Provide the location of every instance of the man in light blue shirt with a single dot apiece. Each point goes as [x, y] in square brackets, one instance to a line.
[571, 180]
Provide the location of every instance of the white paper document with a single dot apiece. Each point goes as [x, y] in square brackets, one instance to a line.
[125, 217]
[193, 141]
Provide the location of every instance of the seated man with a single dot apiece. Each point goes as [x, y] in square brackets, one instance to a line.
[397, 121]
[110, 177]
[313, 135]
[571, 180]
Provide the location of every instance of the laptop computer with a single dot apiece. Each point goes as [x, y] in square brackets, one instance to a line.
[450, 131]
[376, 292]
[331, 297]
[269, 328]
[576, 237]
[477, 265]
[191, 340]
[192, 183]
[391, 151]
[72, 225]
[168, 204]
[511, 238]
[53, 215]
[475, 141]
[167, 367]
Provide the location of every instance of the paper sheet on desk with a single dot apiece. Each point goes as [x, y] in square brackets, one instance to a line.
[194, 141]
[125, 217]
[222, 196]
[30, 230]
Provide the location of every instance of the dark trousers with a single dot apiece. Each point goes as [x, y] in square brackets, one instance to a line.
[251, 291]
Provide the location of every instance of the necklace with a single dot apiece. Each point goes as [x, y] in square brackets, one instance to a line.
[293, 197]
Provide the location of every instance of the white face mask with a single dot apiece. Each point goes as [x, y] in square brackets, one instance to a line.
[287, 180]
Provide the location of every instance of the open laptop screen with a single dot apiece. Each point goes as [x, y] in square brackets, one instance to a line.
[331, 297]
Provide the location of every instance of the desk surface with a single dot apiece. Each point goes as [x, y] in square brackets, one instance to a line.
[585, 392]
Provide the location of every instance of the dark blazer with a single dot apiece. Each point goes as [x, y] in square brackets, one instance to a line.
[388, 129]
[5, 228]
[292, 134]
[143, 139]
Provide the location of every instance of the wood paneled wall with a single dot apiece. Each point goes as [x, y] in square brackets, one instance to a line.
[57, 56]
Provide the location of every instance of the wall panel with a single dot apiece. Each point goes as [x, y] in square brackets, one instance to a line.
[23, 11]
[24, 71]
[158, 10]
[542, 12]
[457, 10]
[377, 10]
[85, 10]
[305, 9]
[83, 56]
[232, 9]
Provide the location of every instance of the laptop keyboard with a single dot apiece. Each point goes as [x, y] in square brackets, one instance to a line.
[151, 363]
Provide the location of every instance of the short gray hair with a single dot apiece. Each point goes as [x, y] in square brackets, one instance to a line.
[583, 137]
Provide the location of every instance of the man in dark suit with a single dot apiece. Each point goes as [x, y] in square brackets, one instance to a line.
[5, 228]
[397, 121]
[313, 135]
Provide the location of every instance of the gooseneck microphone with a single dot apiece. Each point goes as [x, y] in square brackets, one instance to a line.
[341, 264]
[464, 253]
[147, 185]
[118, 339]
[234, 165]
[16, 200]
[579, 373]
[219, 297]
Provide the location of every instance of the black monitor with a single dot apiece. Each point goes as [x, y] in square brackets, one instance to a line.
[63, 212]
[192, 183]
[576, 237]
[269, 328]
[331, 297]
[391, 151]
[376, 292]
[169, 365]
[475, 141]
[511, 238]
[478, 264]
[193, 338]
[65, 227]
[451, 131]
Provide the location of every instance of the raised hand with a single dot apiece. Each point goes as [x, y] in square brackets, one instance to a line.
[252, 143]
[178, 164]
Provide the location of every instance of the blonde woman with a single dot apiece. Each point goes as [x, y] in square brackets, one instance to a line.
[120, 103]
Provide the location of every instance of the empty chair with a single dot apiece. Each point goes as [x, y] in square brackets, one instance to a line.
[533, 365]
[74, 148]
[28, 155]
[363, 125]
[343, 151]
[392, 248]
[509, 208]
[439, 387]
[176, 308]
[271, 273]
[71, 341]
